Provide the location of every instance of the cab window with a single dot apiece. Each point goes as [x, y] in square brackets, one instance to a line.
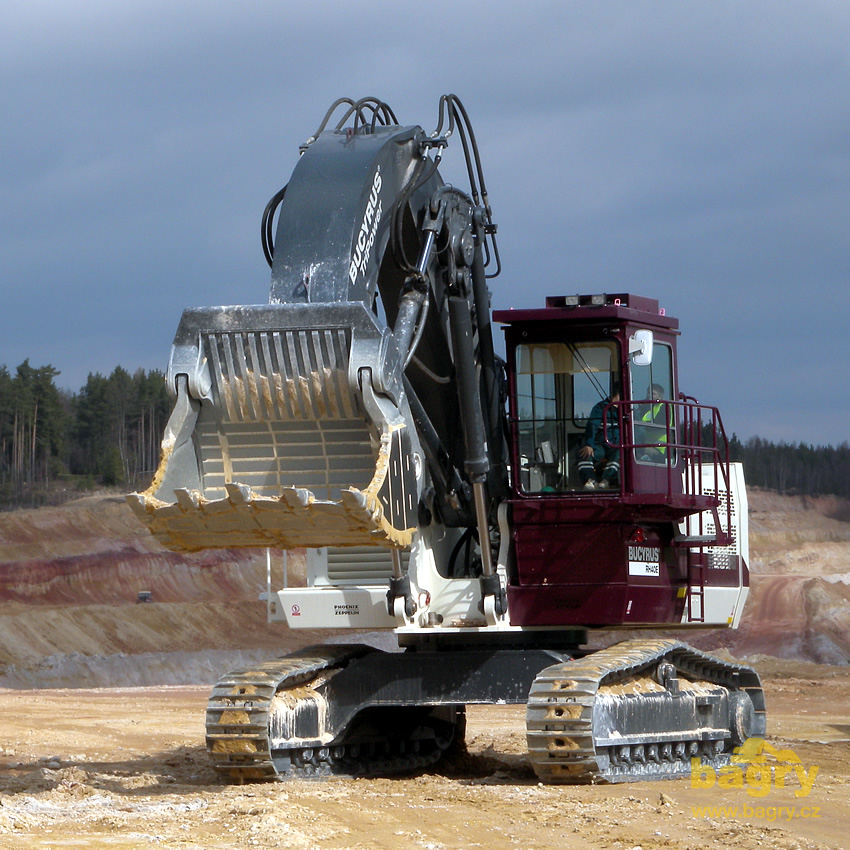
[557, 386]
[654, 418]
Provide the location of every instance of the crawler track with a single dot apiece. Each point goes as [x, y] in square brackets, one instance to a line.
[254, 718]
[639, 710]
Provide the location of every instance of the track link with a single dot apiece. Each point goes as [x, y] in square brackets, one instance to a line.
[623, 714]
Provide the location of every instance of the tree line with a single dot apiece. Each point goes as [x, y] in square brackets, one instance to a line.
[51, 440]
[109, 433]
[794, 468]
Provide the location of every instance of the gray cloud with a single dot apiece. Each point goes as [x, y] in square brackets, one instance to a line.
[692, 152]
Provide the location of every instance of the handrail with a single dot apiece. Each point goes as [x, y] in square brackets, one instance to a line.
[693, 433]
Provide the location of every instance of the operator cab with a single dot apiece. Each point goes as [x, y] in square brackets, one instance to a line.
[596, 369]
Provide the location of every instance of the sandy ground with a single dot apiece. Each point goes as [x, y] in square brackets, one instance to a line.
[123, 768]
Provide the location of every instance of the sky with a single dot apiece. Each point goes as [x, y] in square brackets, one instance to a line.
[693, 152]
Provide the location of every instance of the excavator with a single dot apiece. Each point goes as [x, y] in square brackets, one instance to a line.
[486, 512]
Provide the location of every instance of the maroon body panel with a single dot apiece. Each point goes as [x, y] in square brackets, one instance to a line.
[570, 570]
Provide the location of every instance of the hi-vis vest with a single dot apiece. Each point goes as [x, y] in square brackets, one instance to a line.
[649, 418]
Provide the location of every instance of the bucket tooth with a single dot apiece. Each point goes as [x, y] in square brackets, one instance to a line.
[297, 497]
[238, 494]
[188, 500]
[354, 499]
[139, 505]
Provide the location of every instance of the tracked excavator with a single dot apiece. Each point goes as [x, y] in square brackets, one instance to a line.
[442, 492]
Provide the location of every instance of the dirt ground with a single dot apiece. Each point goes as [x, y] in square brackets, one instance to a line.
[124, 765]
[126, 768]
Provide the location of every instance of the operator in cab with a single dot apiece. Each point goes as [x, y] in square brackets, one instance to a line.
[598, 463]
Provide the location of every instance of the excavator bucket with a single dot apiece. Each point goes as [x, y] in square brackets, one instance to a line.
[286, 432]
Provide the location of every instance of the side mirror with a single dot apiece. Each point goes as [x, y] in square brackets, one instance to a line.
[640, 348]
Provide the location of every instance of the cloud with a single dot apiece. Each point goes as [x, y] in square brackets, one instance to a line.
[691, 152]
